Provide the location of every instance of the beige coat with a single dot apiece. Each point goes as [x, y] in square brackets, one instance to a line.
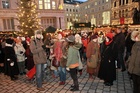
[20, 56]
[39, 56]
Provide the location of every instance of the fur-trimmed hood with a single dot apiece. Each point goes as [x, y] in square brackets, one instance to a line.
[135, 34]
[38, 32]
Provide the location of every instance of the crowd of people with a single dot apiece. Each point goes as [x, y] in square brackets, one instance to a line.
[104, 53]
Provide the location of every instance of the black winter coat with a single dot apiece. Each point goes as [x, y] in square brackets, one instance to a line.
[10, 54]
[107, 69]
[120, 41]
[129, 43]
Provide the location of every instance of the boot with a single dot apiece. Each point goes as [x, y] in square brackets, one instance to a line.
[76, 86]
[90, 76]
[41, 89]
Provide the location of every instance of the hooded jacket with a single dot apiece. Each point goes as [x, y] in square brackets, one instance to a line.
[134, 64]
[37, 50]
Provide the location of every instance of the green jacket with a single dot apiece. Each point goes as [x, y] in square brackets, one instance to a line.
[134, 64]
[72, 56]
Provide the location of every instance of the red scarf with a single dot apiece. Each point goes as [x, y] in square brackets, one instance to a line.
[110, 35]
[107, 43]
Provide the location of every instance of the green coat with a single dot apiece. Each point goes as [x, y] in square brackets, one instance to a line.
[134, 64]
[72, 56]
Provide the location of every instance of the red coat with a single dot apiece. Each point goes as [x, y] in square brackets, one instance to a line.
[85, 42]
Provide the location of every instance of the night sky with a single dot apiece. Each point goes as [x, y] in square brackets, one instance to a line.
[81, 0]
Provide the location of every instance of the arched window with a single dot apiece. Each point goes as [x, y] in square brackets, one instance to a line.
[115, 4]
[119, 13]
[120, 2]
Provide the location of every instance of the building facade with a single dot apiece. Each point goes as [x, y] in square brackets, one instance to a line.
[97, 12]
[122, 9]
[71, 13]
[51, 14]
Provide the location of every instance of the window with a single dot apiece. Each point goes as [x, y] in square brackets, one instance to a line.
[67, 14]
[115, 14]
[85, 7]
[73, 10]
[8, 24]
[67, 9]
[107, 6]
[40, 4]
[53, 4]
[99, 2]
[88, 6]
[119, 13]
[47, 4]
[76, 10]
[70, 10]
[120, 2]
[46, 22]
[123, 13]
[99, 15]
[5, 4]
[92, 10]
[126, 1]
[102, 1]
[123, 2]
[95, 3]
[67, 19]
[106, 0]
[115, 4]
[126, 12]
[99, 8]
[102, 7]
[70, 19]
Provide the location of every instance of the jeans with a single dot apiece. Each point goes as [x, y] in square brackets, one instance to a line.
[62, 74]
[21, 66]
[39, 74]
[55, 73]
[120, 60]
[74, 77]
[136, 83]
[84, 56]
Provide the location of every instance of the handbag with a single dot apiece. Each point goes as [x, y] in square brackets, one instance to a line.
[93, 63]
[55, 62]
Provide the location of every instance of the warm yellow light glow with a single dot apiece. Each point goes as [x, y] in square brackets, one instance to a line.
[60, 7]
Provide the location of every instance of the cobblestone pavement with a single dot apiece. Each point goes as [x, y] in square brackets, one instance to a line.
[122, 85]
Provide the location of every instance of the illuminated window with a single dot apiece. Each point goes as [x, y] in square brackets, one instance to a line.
[53, 4]
[106, 17]
[95, 3]
[5, 4]
[88, 6]
[67, 14]
[40, 4]
[47, 4]
[106, 0]
[70, 14]
[85, 7]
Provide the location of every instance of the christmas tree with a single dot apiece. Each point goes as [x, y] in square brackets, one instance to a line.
[28, 17]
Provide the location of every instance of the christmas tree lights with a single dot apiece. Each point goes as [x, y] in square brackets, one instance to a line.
[28, 17]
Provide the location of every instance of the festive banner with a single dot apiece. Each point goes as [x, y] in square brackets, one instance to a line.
[122, 20]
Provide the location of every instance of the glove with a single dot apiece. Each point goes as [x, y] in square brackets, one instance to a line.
[12, 64]
[21, 52]
[8, 59]
[44, 47]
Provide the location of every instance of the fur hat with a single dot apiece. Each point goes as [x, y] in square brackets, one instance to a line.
[38, 32]
[70, 38]
[135, 34]
[9, 41]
